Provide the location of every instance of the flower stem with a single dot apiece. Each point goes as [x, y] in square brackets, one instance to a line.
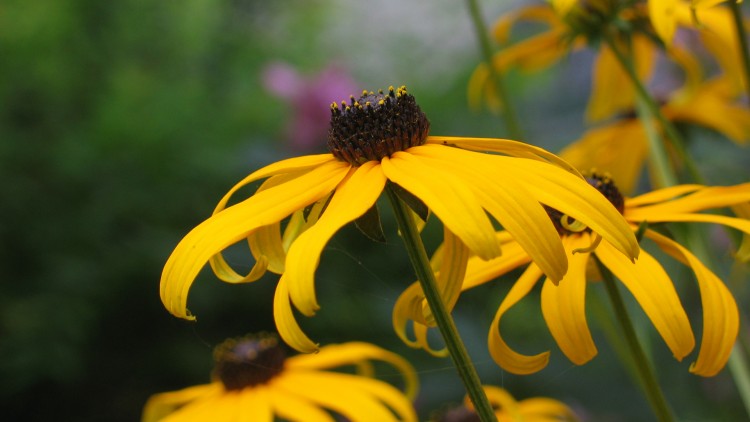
[456, 348]
[509, 113]
[645, 371]
[651, 105]
[742, 36]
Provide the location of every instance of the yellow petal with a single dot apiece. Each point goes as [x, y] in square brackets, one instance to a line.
[160, 405]
[564, 305]
[501, 353]
[509, 202]
[355, 398]
[286, 323]
[352, 198]
[662, 14]
[352, 353]
[601, 148]
[720, 314]
[698, 200]
[254, 405]
[479, 271]
[576, 198]
[743, 252]
[236, 222]
[545, 409]
[654, 291]
[503, 146]
[449, 278]
[292, 408]
[736, 223]
[661, 195]
[453, 202]
[501, 400]
[266, 242]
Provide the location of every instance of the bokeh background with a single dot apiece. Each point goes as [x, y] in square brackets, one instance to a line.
[123, 123]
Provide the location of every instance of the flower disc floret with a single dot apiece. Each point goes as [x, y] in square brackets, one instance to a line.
[376, 125]
[248, 361]
[606, 186]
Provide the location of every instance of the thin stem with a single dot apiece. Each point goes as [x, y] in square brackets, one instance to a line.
[742, 36]
[741, 373]
[421, 264]
[661, 168]
[653, 391]
[671, 131]
[509, 113]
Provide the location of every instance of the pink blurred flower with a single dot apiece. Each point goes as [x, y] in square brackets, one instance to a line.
[310, 98]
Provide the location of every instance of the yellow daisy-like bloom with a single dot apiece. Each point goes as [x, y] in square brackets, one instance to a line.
[508, 409]
[377, 139]
[254, 381]
[563, 303]
[709, 104]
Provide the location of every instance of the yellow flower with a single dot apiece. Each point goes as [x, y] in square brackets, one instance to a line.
[561, 38]
[508, 409]
[563, 303]
[376, 140]
[709, 104]
[254, 381]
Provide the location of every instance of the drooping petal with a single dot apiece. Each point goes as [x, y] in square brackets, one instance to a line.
[479, 271]
[601, 148]
[501, 400]
[565, 192]
[451, 274]
[160, 405]
[352, 353]
[662, 14]
[503, 146]
[501, 353]
[545, 409]
[736, 223]
[564, 305]
[698, 200]
[453, 202]
[352, 198]
[720, 314]
[743, 252]
[408, 311]
[509, 202]
[293, 408]
[654, 291]
[661, 195]
[353, 397]
[254, 405]
[286, 324]
[236, 222]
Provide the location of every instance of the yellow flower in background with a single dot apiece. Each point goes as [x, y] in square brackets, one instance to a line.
[376, 140]
[508, 409]
[563, 303]
[562, 36]
[254, 381]
[621, 146]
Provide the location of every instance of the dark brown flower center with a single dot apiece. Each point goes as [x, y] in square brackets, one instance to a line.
[248, 361]
[605, 185]
[376, 125]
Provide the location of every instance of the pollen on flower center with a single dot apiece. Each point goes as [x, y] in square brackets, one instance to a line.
[376, 125]
[248, 361]
[605, 185]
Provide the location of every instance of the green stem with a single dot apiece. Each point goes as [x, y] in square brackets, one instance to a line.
[741, 373]
[653, 391]
[673, 135]
[509, 113]
[742, 36]
[421, 264]
[661, 168]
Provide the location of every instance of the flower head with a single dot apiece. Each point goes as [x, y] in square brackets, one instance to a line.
[508, 409]
[253, 380]
[380, 141]
[563, 303]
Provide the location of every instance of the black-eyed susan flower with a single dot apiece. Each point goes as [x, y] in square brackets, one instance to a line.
[711, 104]
[508, 409]
[375, 140]
[253, 380]
[563, 303]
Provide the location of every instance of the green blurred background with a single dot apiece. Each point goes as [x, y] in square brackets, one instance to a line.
[123, 123]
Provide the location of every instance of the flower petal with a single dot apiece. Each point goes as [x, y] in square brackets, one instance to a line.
[564, 305]
[736, 223]
[509, 202]
[352, 198]
[545, 409]
[698, 200]
[236, 222]
[720, 314]
[352, 353]
[663, 18]
[453, 202]
[501, 353]
[479, 271]
[450, 277]
[286, 323]
[160, 405]
[354, 397]
[654, 291]
[292, 408]
[661, 195]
